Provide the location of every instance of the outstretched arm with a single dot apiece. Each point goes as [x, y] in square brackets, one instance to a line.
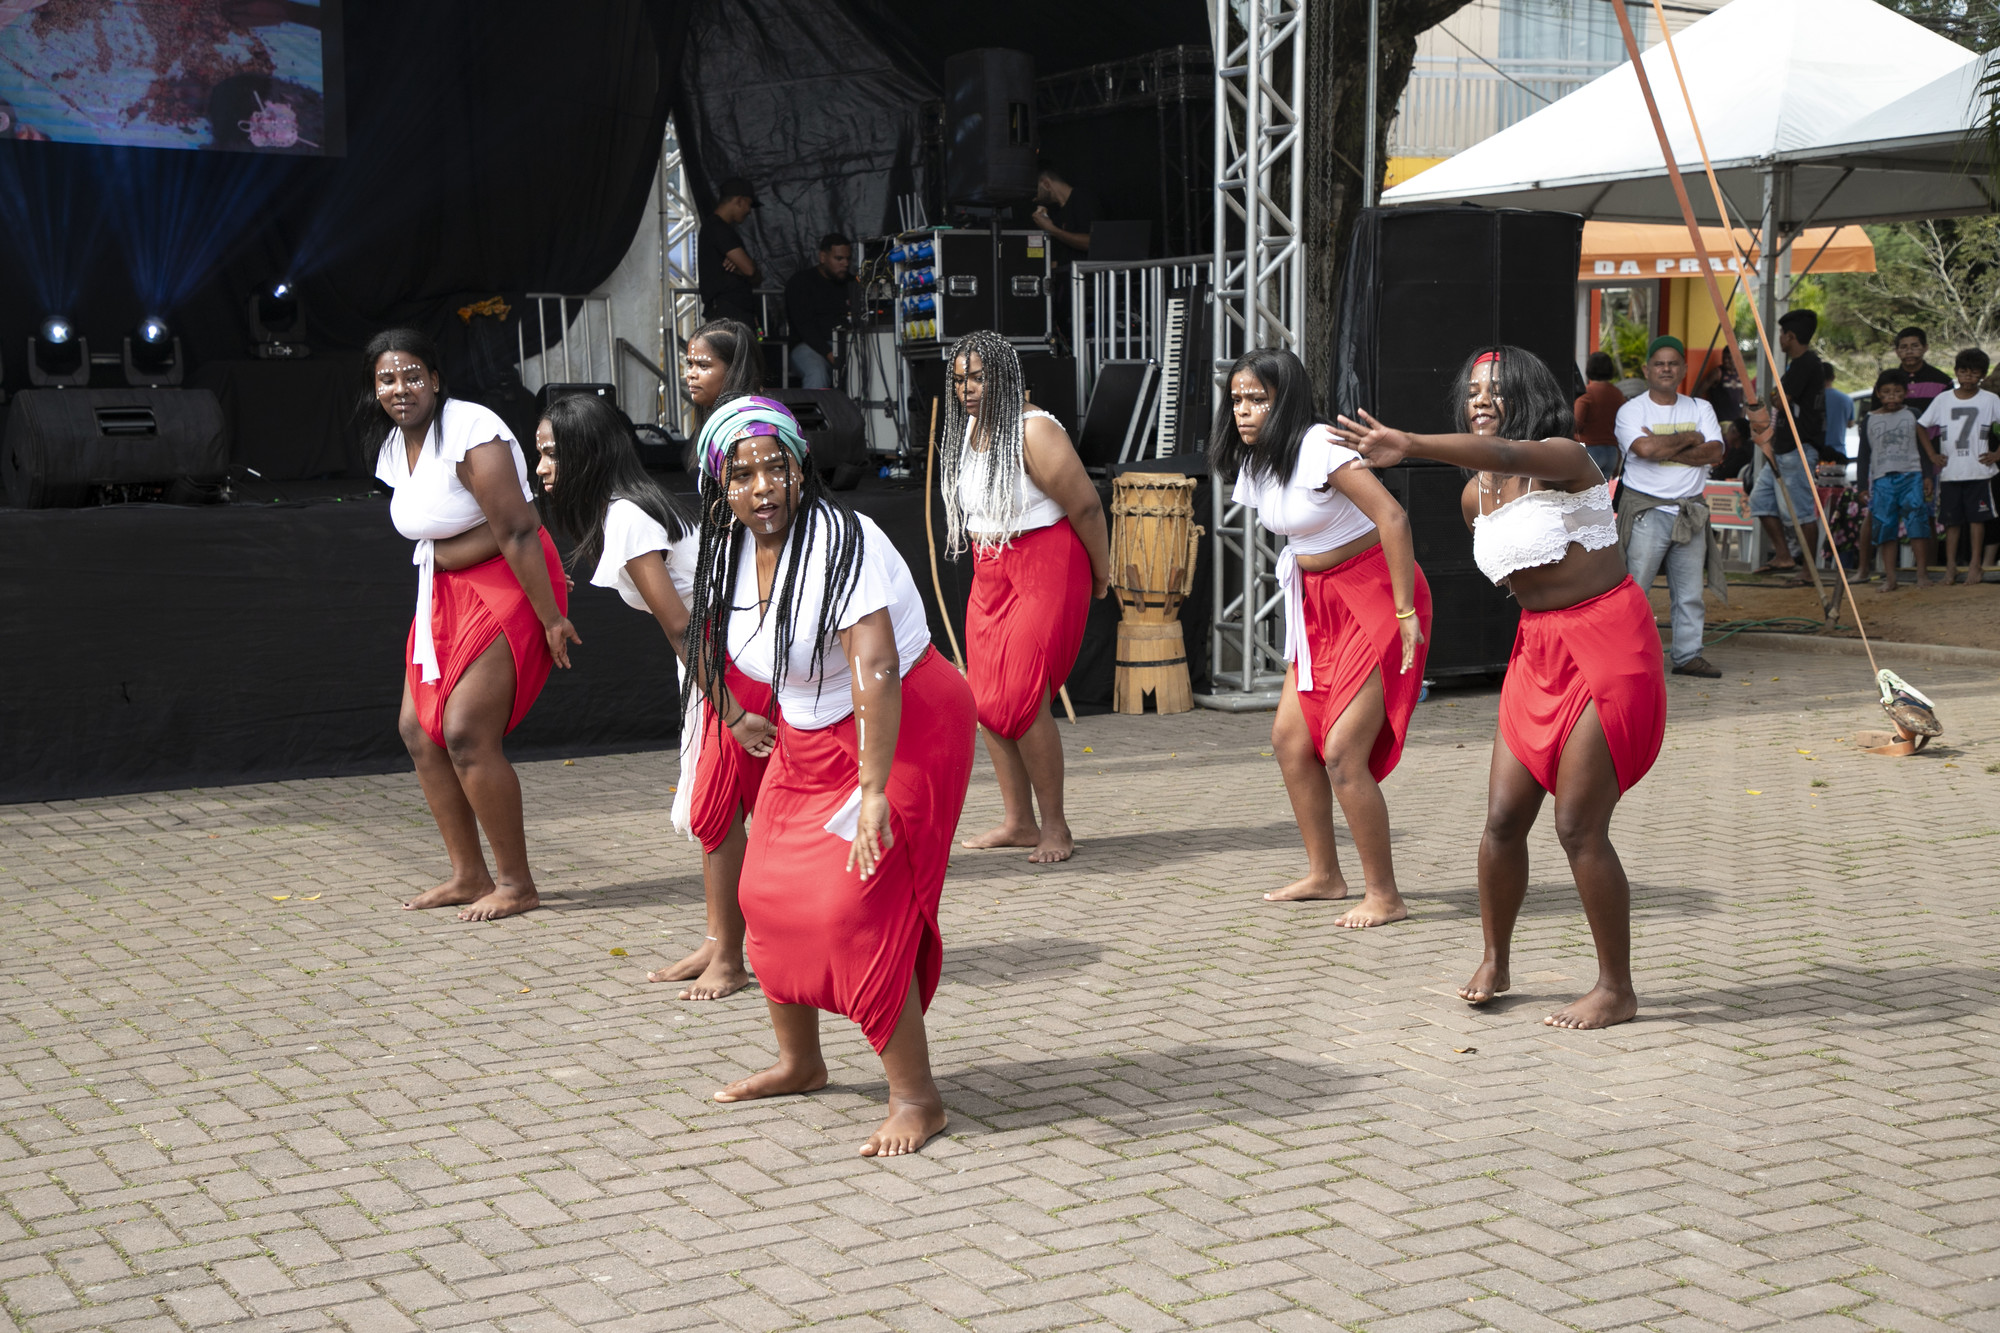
[1561, 461]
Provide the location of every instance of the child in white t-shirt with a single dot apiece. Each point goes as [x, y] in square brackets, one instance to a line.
[1962, 422]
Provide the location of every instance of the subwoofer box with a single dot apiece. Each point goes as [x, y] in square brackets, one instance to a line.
[62, 442]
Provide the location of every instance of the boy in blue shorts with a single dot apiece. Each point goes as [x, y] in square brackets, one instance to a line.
[1893, 446]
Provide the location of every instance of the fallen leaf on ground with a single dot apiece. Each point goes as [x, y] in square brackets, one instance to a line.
[310, 898]
[526, 989]
[569, 763]
[1088, 750]
[1752, 791]
[1465, 1050]
[618, 953]
[279, 897]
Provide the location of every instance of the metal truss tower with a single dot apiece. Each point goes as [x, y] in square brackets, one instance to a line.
[1260, 287]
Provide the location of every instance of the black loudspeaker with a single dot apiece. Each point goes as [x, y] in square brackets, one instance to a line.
[989, 127]
[1425, 287]
[834, 429]
[62, 442]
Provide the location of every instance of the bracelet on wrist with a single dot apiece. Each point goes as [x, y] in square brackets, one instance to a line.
[1405, 615]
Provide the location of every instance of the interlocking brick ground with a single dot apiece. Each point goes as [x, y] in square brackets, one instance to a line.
[1174, 1105]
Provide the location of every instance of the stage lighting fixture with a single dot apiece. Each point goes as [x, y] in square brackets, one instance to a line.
[152, 355]
[277, 319]
[58, 357]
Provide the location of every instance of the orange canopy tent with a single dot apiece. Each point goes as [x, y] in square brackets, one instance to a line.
[1639, 250]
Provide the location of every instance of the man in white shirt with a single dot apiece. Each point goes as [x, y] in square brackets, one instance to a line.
[1669, 441]
[1962, 422]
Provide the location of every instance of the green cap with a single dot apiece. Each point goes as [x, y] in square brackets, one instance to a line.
[1666, 340]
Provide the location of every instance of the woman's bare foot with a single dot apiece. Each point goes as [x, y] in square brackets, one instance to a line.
[688, 968]
[454, 892]
[1055, 844]
[1889, 585]
[1007, 835]
[1312, 886]
[909, 1127]
[780, 1080]
[502, 902]
[719, 979]
[1374, 909]
[1602, 1008]
[1488, 980]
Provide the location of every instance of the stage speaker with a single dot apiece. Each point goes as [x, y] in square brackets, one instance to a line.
[834, 429]
[1472, 621]
[989, 127]
[62, 442]
[1425, 287]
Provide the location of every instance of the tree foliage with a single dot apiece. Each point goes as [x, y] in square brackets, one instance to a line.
[1941, 275]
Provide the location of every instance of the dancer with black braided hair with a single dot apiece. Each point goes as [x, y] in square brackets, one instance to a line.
[1016, 492]
[842, 878]
[641, 543]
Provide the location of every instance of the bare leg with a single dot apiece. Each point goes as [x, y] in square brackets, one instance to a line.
[800, 1067]
[721, 972]
[475, 723]
[1774, 533]
[1950, 555]
[1311, 793]
[1922, 559]
[1891, 557]
[1513, 800]
[1975, 555]
[1586, 795]
[1041, 754]
[469, 880]
[916, 1110]
[1017, 826]
[1348, 742]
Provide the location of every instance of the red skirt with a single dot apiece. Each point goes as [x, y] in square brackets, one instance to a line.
[1024, 624]
[727, 776]
[819, 934]
[1350, 615]
[1605, 651]
[469, 609]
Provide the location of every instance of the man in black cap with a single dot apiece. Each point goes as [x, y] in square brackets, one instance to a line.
[724, 267]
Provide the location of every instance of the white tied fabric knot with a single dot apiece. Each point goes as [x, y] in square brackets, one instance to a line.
[426, 655]
[1291, 580]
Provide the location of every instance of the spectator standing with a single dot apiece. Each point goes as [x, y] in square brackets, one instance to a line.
[1597, 413]
[1962, 422]
[1804, 384]
[1669, 440]
[1839, 416]
[1896, 447]
[1913, 347]
[724, 269]
[1847, 507]
[819, 300]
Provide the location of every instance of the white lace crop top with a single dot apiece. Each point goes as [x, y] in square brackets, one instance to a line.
[1032, 504]
[1537, 528]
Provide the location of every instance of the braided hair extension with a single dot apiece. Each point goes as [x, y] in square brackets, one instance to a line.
[717, 565]
[998, 433]
[596, 463]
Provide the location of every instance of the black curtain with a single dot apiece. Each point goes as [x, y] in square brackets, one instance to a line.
[494, 147]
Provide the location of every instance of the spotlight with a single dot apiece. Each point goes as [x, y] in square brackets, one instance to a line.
[152, 355]
[277, 318]
[58, 357]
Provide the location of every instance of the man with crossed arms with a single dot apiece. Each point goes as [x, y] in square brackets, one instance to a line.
[1669, 441]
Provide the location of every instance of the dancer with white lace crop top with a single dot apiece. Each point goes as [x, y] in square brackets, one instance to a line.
[643, 544]
[1584, 707]
[491, 615]
[1016, 493]
[1357, 618]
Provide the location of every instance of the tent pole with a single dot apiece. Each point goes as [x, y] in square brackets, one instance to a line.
[1371, 173]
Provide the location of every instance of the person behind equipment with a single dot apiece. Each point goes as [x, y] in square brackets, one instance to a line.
[641, 543]
[724, 269]
[491, 620]
[818, 300]
[1017, 494]
[1065, 213]
[1357, 618]
[852, 837]
[1584, 706]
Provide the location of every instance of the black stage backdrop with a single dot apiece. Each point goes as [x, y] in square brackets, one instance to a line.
[494, 146]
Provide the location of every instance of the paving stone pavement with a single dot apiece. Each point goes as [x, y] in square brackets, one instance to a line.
[1174, 1105]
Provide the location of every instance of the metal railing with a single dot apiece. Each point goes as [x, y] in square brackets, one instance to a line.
[581, 355]
[1453, 102]
[1118, 311]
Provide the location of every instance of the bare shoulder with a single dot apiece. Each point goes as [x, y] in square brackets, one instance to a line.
[1587, 475]
[1043, 429]
[1468, 500]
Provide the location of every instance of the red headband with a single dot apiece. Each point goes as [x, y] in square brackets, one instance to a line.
[1490, 356]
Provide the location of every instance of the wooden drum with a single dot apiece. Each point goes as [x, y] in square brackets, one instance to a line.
[1154, 540]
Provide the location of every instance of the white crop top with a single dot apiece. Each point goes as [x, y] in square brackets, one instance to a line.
[1035, 508]
[630, 531]
[431, 503]
[810, 702]
[1307, 510]
[1313, 521]
[1537, 529]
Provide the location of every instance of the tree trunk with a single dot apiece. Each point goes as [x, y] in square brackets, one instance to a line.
[1336, 115]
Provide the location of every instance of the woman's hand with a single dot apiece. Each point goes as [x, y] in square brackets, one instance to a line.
[1379, 445]
[755, 733]
[1413, 637]
[871, 834]
[561, 634]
